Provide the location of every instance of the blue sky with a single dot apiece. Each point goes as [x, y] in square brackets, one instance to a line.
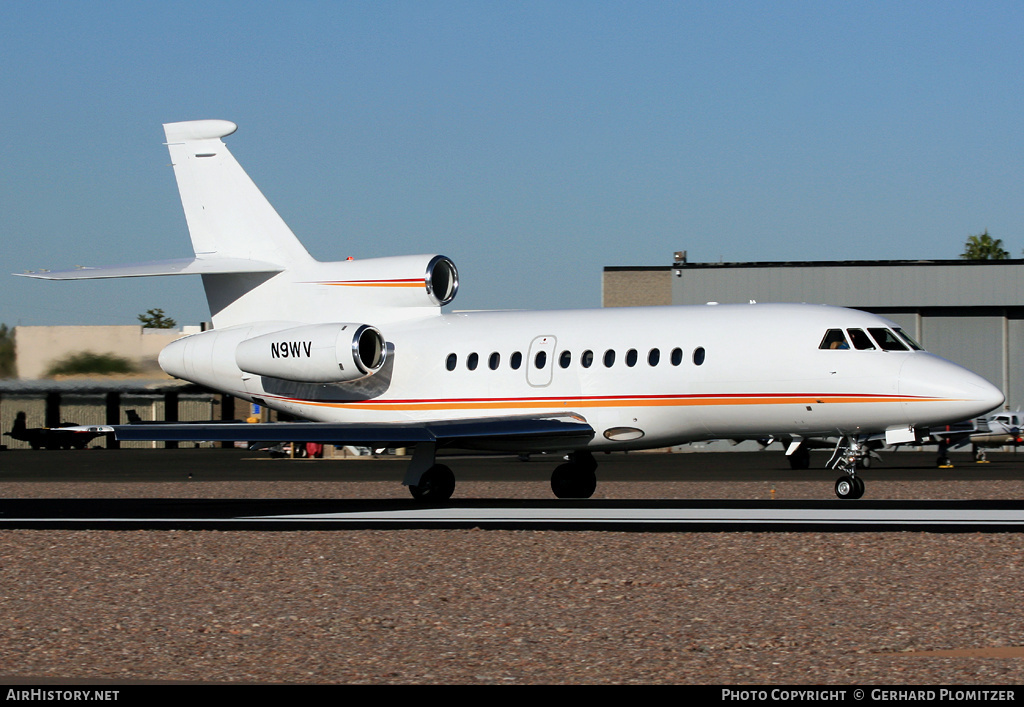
[532, 142]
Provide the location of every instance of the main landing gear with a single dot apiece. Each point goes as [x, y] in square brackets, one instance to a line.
[436, 484]
[431, 482]
[575, 478]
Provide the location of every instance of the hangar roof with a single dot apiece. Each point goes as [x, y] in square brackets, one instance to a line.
[868, 284]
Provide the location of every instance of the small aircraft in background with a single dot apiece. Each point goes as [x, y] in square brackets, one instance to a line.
[362, 351]
[1002, 429]
[67, 436]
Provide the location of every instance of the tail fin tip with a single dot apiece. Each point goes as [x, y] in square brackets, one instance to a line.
[198, 130]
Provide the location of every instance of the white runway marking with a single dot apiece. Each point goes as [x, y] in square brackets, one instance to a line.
[949, 516]
[526, 516]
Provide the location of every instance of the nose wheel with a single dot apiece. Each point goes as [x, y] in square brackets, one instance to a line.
[849, 487]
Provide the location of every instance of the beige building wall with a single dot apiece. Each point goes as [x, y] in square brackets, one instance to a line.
[636, 288]
[38, 347]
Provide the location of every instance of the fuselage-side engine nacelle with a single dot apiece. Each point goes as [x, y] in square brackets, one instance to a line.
[315, 353]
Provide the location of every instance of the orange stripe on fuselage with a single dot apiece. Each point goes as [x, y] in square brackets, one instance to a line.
[607, 401]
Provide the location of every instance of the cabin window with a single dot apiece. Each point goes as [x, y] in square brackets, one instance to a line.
[834, 339]
[653, 356]
[631, 358]
[698, 356]
[472, 360]
[541, 359]
[494, 361]
[910, 342]
[516, 361]
[609, 358]
[451, 362]
[677, 356]
[861, 341]
[587, 359]
[565, 359]
[887, 340]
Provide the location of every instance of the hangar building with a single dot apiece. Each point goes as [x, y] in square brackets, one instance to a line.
[968, 311]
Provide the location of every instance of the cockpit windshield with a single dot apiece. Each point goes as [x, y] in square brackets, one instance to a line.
[860, 340]
[910, 342]
[887, 340]
[894, 339]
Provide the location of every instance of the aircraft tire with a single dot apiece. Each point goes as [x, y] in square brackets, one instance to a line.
[859, 487]
[436, 485]
[573, 481]
[846, 487]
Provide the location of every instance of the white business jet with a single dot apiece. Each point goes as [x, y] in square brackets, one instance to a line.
[363, 351]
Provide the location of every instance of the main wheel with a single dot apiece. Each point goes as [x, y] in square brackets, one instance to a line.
[800, 459]
[572, 481]
[437, 484]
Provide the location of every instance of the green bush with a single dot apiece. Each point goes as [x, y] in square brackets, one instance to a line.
[90, 362]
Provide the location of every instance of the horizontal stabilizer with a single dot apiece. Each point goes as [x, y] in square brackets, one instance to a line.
[502, 433]
[179, 266]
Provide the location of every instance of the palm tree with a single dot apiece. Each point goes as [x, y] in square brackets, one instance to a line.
[984, 247]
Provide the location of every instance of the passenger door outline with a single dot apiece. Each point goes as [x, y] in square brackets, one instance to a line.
[540, 377]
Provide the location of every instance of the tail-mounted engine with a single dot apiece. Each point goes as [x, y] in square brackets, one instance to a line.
[315, 353]
[379, 284]
[441, 280]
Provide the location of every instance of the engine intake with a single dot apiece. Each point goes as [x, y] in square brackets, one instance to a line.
[316, 353]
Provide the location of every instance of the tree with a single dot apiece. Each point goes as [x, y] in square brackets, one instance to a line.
[155, 319]
[984, 247]
[6, 352]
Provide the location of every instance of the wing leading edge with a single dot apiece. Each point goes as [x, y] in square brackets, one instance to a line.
[496, 434]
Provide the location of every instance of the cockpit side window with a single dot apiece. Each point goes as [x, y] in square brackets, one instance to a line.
[887, 340]
[910, 342]
[861, 341]
[834, 339]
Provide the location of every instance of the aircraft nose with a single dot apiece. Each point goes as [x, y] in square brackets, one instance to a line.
[944, 392]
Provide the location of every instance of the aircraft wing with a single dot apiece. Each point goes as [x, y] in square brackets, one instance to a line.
[495, 433]
[179, 266]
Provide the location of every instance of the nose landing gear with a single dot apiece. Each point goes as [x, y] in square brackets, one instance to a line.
[848, 455]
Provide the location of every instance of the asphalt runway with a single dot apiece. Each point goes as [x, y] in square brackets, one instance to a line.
[217, 465]
[460, 603]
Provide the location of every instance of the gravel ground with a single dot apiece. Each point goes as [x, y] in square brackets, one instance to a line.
[512, 607]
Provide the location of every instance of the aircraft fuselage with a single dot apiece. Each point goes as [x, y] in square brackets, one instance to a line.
[641, 377]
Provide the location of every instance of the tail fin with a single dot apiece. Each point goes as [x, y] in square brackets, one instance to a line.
[253, 267]
[227, 215]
